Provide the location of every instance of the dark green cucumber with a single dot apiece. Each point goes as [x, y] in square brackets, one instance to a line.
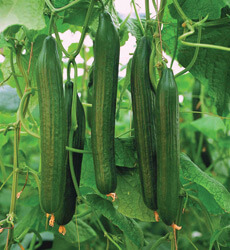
[168, 147]
[67, 208]
[106, 60]
[143, 103]
[52, 126]
[196, 106]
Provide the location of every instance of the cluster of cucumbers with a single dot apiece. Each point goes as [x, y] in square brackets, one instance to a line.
[155, 119]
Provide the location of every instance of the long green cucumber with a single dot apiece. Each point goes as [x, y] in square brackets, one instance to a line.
[106, 59]
[168, 147]
[67, 208]
[143, 103]
[52, 126]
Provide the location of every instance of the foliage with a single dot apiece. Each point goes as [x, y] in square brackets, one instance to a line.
[126, 223]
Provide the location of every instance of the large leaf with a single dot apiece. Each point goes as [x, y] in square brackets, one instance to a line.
[130, 201]
[193, 173]
[210, 126]
[22, 12]
[194, 9]
[129, 227]
[211, 67]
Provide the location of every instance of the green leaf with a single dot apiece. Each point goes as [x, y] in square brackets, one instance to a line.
[60, 3]
[200, 8]
[79, 10]
[134, 28]
[216, 235]
[193, 173]
[129, 227]
[125, 154]
[130, 201]
[9, 101]
[211, 66]
[210, 126]
[74, 234]
[22, 12]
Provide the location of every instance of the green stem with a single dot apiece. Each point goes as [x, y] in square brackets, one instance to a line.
[59, 41]
[159, 242]
[155, 6]
[14, 186]
[162, 9]
[49, 4]
[125, 133]
[85, 26]
[176, 44]
[14, 73]
[1, 83]
[21, 68]
[51, 23]
[78, 150]
[87, 104]
[147, 14]
[3, 184]
[106, 234]
[69, 70]
[194, 56]
[205, 212]
[199, 149]
[217, 22]
[180, 11]
[152, 67]
[35, 237]
[21, 115]
[83, 214]
[2, 168]
[158, 39]
[138, 18]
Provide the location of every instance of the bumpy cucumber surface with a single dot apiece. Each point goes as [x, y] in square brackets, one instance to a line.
[67, 208]
[52, 126]
[168, 147]
[106, 60]
[143, 103]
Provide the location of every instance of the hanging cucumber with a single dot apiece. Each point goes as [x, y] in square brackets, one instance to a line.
[53, 126]
[106, 60]
[143, 103]
[67, 208]
[168, 147]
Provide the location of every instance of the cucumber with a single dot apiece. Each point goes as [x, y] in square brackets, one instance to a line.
[67, 208]
[53, 126]
[143, 104]
[106, 60]
[168, 147]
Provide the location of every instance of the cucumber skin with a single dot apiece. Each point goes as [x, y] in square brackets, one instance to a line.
[68, 205]
[105, 79]
[168, 147]
[52, 126]
[143, 103]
